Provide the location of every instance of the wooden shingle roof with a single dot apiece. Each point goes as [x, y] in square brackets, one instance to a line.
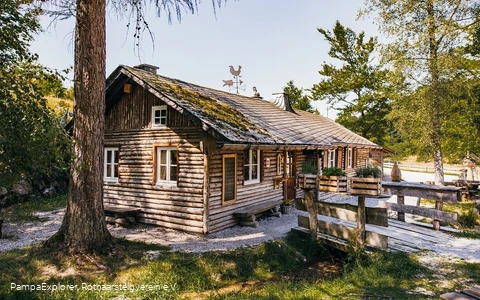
[243, 120]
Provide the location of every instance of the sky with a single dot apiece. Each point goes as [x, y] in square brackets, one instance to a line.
[273, 41]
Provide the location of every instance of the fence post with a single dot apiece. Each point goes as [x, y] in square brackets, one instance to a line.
[312, 213]
[401, 215]
[361, 220]
[436, 223]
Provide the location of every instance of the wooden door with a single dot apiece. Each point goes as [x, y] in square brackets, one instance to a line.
[291, 191]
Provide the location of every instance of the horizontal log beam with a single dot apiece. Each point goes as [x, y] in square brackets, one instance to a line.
[433, 192]
[345, 232]
[425, 212]
[375, 215]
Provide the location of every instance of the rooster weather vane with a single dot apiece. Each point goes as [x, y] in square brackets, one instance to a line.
[236, 83]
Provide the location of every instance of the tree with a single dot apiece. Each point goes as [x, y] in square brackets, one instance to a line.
[425, 50]
[358, 87]
[83, 227]
[297, 97]
[31, 141]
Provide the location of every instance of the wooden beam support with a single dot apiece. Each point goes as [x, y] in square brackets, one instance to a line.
[312, 213]
[375, 215]
[401, 214]
[443, 193]
[436, 222]
[425, 212]
[345, 232]
[361, 220]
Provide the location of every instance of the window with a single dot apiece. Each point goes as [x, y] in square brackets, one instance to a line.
[350, 158]
[279, 164]
[331, 159]
[166, 165]
[159, 116]
[251, 171]
[229, 180]
[110, 165]
[289, 164]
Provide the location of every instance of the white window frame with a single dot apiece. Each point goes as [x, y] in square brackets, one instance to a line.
[331, 158]
[168, 166]
[350, 158]
[250, 166]
[159, 108]
[110, 165]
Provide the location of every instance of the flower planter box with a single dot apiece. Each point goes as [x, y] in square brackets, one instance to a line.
[307, 181]
[365, 186]
[335, 184]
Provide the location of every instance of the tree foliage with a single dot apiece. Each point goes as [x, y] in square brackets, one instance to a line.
[31, 141]
[358, 87]
[298, 99]
[426, 42]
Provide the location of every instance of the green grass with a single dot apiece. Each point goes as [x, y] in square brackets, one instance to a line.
[24, 212]
[467, 234]
[294, 268]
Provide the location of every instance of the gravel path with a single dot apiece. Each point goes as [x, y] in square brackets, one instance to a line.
[22, 235]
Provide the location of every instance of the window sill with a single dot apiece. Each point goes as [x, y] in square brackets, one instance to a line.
[166, 184]
[249, 182]
[110, 180]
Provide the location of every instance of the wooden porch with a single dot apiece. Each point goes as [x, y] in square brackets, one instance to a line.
[401, 236]
[344, 221]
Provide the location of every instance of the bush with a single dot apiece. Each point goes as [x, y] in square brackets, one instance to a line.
[468, 219]
[333, 172]
[368, 172]
[309, 167]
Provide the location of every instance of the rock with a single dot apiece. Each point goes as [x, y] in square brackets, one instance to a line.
[49, 192]
[3, 191]
[39, 185]
[22, 188]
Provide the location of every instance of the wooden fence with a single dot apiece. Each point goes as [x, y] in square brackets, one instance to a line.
[324, 218]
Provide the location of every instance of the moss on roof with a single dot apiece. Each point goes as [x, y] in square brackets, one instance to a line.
[211, 108]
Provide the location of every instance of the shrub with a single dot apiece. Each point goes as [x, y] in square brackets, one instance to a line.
[468, 219]
[367, 172]
[333, 172]
[309, 167]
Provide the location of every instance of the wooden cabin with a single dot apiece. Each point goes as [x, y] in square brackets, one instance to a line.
[187, 157]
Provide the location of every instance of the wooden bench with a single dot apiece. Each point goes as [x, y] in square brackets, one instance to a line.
[247, 215]
[470, 294]
[121, 215]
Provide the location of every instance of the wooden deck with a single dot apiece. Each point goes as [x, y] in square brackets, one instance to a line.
[405, 237]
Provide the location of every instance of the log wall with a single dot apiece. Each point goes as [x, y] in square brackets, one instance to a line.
[221, 216]
[177, 207]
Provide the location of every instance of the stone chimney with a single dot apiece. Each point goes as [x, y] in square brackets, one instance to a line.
[281, 100]
[148, 68]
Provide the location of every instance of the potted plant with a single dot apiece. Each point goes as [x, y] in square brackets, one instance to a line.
[285, 206]
[367, 181]
[333, 180]
[308, 178]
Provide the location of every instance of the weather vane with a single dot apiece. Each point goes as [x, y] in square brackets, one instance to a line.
[236, 83]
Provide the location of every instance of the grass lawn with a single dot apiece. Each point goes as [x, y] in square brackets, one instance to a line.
[292, 268]
[24, 212]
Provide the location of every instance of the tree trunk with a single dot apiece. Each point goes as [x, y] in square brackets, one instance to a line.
[436, 95]
[84, 228]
